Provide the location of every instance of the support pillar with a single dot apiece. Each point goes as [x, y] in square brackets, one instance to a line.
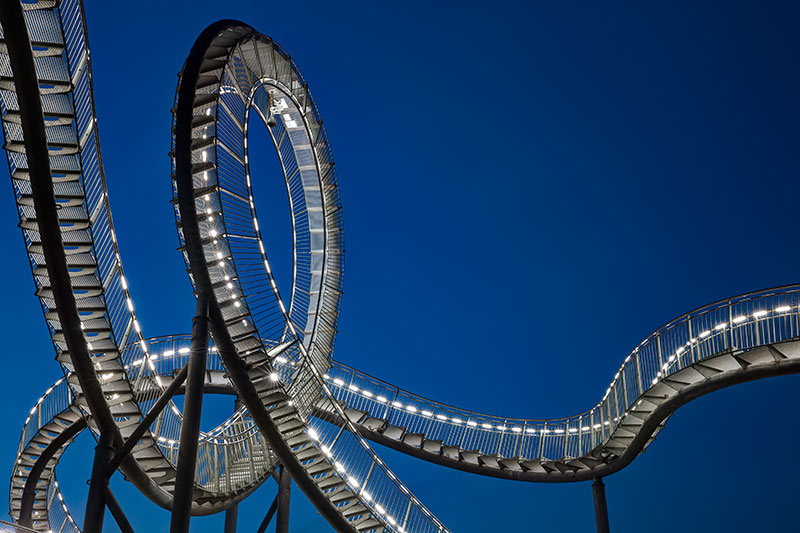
[190, 428]
[268, 517]
[284, 492]
[600, 506]
[116, 512]
[231, 515]
[96, 503]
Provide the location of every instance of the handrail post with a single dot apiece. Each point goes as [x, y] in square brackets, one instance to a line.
[730, 327]
[639, 382]
[691, 344]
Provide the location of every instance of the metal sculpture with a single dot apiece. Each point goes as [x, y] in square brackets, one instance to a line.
[299, 413]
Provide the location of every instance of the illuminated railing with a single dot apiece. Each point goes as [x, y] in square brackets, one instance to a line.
[739, 323]
[231, 457]
[105, 308]
[239, 270]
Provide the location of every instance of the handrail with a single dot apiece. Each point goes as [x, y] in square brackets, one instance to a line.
[741, 322]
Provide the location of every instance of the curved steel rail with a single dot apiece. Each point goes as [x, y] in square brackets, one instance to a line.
[48, 114]
[233, 457]
[230, 69]
[471, 441]
[310, 410]
[748, 337]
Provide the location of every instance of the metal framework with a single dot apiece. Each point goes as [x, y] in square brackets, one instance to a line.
[299, 413]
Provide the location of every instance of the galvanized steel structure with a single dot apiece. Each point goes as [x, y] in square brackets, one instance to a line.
[299, 412]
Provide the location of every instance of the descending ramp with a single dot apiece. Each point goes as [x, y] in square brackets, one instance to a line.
[732, 341]
[72, 238]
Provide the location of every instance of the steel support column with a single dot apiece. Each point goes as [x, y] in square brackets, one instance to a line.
[96, 502]
[284, 493]
[268, 517]
[231, 516]
[190, 429]
[116, 511]
[600, 507]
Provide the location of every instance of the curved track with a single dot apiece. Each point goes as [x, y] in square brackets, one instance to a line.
[302, 409]
[66, 223]
[741, 339]
[230, 69]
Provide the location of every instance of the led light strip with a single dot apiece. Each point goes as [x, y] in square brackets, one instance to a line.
[704, 336]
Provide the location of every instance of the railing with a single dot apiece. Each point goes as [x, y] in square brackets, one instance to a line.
[232, 456]
[58, 516]
[220, 450]
[739, 323]
[14, 528]
[238, 268]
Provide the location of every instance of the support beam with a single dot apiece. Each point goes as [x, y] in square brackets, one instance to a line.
[149, 418]
[231, 516]
[96, 501]
[600, 507]
[190, 428]
[268, 517]
[284, 493]
[116, 512]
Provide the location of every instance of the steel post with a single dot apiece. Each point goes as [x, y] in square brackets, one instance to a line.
[231, 515]
[268, 517]
[190, 428]
[600, 506]
[96, 501]
[284, 492]
[116, 512]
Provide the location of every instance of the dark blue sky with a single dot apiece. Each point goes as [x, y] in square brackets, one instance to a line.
[529, 191]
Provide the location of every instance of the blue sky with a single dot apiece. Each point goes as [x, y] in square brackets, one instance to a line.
[529, 191]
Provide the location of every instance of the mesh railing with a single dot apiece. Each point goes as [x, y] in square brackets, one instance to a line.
[239, 271]
[739, 323]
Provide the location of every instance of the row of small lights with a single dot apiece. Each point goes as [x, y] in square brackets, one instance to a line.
[517, 429]
[442, 418]
[104, 198]
[359, 489]
[214, 233]
[129, 303]
[722, 326]
[63, 506]
[274, 376]
[166, 354]
[148, 358]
